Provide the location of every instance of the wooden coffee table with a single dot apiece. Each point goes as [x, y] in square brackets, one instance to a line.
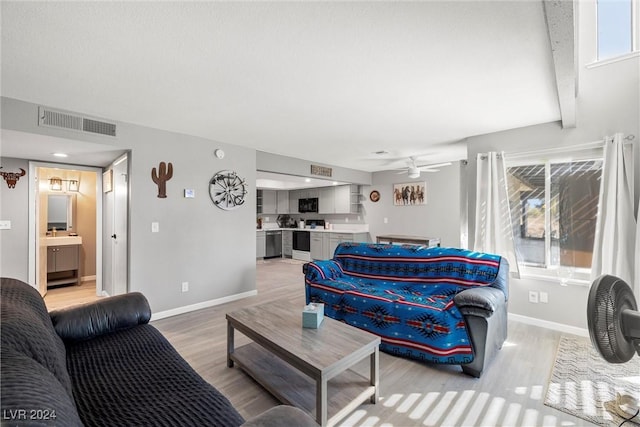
[295, 364]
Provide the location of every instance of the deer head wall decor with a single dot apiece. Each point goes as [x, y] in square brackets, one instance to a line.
[160, 177]
[12, 177]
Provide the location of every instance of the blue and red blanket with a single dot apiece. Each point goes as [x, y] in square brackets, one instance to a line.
[404, 294]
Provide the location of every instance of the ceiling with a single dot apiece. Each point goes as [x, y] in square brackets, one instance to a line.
[331, 82]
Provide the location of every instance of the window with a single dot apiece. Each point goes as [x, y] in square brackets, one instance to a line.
[554, 206]
[615, 27]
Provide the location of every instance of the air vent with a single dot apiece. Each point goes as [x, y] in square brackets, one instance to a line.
[58, 119]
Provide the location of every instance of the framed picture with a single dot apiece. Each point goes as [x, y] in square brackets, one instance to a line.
[107, 181]
[410, 193]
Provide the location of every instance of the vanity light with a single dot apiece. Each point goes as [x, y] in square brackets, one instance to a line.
[55, 184]
[73, 185]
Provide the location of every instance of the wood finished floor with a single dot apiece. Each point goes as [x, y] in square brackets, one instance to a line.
[510, 393]
[64, 296]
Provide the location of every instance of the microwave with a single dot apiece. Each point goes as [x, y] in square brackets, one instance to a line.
[308, 205]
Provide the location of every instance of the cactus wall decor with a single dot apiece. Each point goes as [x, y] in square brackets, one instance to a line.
[160, 177]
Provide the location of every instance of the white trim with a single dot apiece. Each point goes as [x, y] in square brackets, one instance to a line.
[548, 324]
[613, 60]
[33, 221]
[201, 305]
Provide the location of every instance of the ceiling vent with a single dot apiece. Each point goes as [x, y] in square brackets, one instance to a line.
[58, 119]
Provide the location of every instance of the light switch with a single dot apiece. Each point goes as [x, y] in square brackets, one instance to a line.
[155, 227]
[5, 225]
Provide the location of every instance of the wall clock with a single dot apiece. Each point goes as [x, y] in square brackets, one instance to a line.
[227, 190]
[374, 196]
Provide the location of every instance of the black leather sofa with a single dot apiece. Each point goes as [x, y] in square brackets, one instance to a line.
[103, 364]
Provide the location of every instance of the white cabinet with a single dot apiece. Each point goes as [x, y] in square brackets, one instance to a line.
[294, 195]
[269, 202]
[287, 243]
[282, 197]
[326, 200]
[317, 246]
[341, 199]
[261, 244]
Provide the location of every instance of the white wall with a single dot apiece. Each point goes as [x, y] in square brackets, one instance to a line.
[608, 102]
[14, 244]
[212, 249]
[440, 217]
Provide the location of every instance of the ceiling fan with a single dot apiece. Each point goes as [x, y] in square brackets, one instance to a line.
[413, 170]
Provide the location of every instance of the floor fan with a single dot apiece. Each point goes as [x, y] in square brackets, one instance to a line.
[614, 328]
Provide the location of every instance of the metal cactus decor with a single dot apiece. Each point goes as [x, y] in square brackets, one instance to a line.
[161, 176]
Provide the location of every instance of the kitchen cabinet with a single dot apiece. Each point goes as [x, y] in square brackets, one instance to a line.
[259, 201]
[261, 244]
[287, 243]
[282, 197]
[294, 195]
[341, 199]
[269, 202]
[326, 200]
[317, 246]
[273, 202]
[63, 263]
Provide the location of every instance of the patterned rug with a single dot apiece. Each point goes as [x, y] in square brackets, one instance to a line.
[581, 381]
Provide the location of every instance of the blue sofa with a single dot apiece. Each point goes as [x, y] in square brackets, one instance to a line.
[437, 305]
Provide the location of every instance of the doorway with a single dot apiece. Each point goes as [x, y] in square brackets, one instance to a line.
[65, 204]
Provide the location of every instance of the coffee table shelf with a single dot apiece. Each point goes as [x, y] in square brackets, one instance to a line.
[291, 387]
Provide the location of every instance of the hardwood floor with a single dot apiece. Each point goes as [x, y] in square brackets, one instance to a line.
[64, 296]
[510, 393]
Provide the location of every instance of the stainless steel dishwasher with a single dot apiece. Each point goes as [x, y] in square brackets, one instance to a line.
[273, 244]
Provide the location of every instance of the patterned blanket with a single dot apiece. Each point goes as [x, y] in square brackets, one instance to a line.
[404, 294]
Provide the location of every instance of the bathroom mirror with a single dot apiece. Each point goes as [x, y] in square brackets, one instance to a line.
[61, 209]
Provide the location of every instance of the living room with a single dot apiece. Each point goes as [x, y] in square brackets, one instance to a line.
[213, 249]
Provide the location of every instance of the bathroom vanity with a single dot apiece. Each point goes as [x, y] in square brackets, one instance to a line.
[63, 260]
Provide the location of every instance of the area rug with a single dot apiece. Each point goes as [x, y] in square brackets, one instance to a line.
[581, 381]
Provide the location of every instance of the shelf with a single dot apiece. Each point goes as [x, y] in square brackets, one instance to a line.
[346, 392]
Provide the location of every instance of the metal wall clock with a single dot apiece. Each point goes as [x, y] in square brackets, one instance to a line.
[227, 190]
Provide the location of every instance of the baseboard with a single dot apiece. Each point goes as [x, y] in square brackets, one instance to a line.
[549, 325]
[88, 278]
[201, 305]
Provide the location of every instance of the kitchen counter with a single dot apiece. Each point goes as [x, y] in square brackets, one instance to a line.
[315, 230]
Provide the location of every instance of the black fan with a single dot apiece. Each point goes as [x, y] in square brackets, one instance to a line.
[613, 319]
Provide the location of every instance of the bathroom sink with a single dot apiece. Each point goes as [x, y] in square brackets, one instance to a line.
[63, 240]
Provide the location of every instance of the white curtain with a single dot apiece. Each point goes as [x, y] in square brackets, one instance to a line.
[494, 233]
[636, 285]
[615, 239]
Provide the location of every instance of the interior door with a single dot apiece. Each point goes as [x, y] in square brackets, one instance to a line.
[115, 254]
[120, 225]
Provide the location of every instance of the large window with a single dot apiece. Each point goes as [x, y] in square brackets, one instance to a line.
[615, 27]
[554, 206]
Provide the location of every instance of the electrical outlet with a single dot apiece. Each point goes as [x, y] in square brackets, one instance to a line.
[155, 227]
[346, 219]
[385, 220]
[185, 286]
[5, 225]
[533, 297]
[544, 297]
